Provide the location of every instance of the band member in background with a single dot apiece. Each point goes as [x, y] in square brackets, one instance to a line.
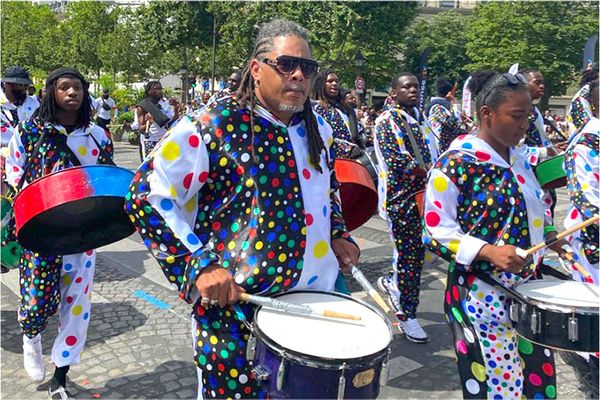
[580, 111]
[443, 118]
[241, 196]
[469, 188]
[103, 105]
[404, 159]
[16, 106]
[62, 135]
[154, 115]
[342, 118]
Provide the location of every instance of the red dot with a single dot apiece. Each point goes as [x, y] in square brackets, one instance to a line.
[89, 252]
[216, 225]
[69, 299]
[275, 182]
[455, 292]
[70, 340]
[309, 219]
[438, 204]
[482, 156]
[78, 280]
[535, 379]
[187, 181]
[95, 152]
[506, 376]
[306, 173]
[203, 176]
[432, 218]
[520, 179]
[574, 213]
[548, 369]
[194, 141]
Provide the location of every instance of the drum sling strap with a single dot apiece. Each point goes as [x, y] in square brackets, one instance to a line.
[413, 143]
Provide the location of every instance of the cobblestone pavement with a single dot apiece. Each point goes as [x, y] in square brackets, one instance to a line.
[139, 343]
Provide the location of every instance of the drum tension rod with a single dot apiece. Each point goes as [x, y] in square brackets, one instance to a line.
[342, 383]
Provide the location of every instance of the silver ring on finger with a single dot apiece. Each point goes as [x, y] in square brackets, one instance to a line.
[214, 302]
[205, 301]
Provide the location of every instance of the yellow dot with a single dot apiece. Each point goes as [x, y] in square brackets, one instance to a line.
[537, 223]
[231, 245]
[440, 184]
[282, 257]
[233, 373]
[213, 340]
[170, 151]
[229, 128]
[77, 309]
[223, 161]
[66, 279]
[490, 202]
[172, 191]
[170, 260]
[478, 371]
[190, 205]
[82, 150]
[258, 245]
[321, 248]
[453, 245]
[250, 182]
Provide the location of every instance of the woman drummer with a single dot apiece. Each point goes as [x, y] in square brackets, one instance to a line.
[482, 203]
[62, 135]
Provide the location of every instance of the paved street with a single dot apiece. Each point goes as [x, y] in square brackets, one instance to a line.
[139, 343]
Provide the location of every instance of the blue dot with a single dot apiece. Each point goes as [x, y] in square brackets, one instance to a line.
[489, 298]
[154, 220]
[539, 396]
[324, 211]
[88, 264]
[467, 146]
[320, 120]
[301, 131]
[86, 316]
[68, 267]
[313, 279]
[518, 383]
[166, 204]
[65, 354]
[192, 239]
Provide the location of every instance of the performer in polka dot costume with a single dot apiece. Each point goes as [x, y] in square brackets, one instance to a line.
[443, 118]
[52, 283]
[403, 171]
[342, 118]
[242, 196]
[581, 165]
[482, 202]
[15, 105]
[580, 110]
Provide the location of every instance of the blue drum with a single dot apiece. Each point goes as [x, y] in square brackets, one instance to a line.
[307, 357]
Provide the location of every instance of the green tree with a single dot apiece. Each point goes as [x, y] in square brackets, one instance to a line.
[548, 36]
[444, 34]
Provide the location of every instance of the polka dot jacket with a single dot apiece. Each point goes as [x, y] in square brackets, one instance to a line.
[339, 122]
[580, 110]
[581, 165]
[445, 125]
[475, 197]
[214, 191]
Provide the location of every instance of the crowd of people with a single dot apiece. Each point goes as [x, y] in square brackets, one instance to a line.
[237, 193]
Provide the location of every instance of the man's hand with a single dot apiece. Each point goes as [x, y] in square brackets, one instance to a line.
[562, 146]
[561, 247]
[346, 253]
[216, 284]
[504, 258]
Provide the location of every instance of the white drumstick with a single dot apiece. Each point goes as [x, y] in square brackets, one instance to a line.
[366, 285]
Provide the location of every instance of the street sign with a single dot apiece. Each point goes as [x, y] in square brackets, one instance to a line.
[359, 83]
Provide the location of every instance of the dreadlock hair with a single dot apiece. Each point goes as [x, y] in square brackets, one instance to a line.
[245, 93]
[148, 87]
[48, 106]
[319, 93]
[589, 75]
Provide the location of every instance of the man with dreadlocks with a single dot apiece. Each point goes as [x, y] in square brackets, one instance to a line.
[154, 115]
[60, 136]
[342, 118]
[242, 197]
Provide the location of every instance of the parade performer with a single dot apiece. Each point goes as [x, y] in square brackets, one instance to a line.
[442, 116]
[482, 202]
[580, 111]
[157, 110]
[15, 106]
[403, 173]
[103, 106]
[62, 135]
[241, 196]
[581, 165]
[342, 118]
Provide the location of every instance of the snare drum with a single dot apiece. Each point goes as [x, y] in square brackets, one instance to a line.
[297, 356]
[558, 314]
[74, 210]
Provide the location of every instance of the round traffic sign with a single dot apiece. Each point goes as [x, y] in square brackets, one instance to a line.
[359, 83]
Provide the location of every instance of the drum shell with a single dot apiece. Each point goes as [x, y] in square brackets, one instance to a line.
[311, 377]
[554, 324]
[551, 173]
[74, 210]
[357, 192]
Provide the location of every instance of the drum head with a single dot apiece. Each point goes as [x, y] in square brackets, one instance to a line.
[326, 337]
[562, 293]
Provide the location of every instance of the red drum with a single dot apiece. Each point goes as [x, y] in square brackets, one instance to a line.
[419, 199]
[74, 210]
[357, 192]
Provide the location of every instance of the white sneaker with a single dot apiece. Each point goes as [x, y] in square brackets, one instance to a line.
[413, 331]
[33, 360]
[392, 294]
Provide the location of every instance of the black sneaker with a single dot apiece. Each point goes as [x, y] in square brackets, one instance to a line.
[58, 392]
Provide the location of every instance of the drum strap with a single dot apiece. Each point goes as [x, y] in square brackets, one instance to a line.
[36, 149]
[413, 143]
[103, 151]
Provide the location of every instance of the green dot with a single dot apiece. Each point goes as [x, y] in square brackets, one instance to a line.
[525, 346]
[238, 188]
[271, 271]
[250, 281]
[457, 315]
[474, 287]
[128, 196]
[273, 150]
[202, 359]
[235, 227]
[282, 169]
[275, 289]
[279, 214]
[225, 113]
[551, 391]
[484, 231]
[486, 343]
[216, 324]
[231, 346]
[245, 245]
[262, 179]
[147, 209]
[300, 264]
[224, 353]
[291, 243]
[243, 127]
[231, 384]
[493, 213]
[226, 264]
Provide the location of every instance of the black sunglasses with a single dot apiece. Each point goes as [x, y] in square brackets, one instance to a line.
[286, 65]
[503, 80]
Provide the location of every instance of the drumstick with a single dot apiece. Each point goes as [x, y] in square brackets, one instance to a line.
[366, 285]
[561, 235]
[578, 267]
[294, 308]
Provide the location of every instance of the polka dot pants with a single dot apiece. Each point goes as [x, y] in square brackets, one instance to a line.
[409, 255]
[53, 283]
[221, 339]
[493, 361]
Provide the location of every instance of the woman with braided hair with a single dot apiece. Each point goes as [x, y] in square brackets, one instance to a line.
[241, 197]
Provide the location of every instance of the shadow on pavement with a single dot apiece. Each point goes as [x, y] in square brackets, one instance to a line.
[106, 271]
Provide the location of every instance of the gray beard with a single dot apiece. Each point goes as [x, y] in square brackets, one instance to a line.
[290, 108]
